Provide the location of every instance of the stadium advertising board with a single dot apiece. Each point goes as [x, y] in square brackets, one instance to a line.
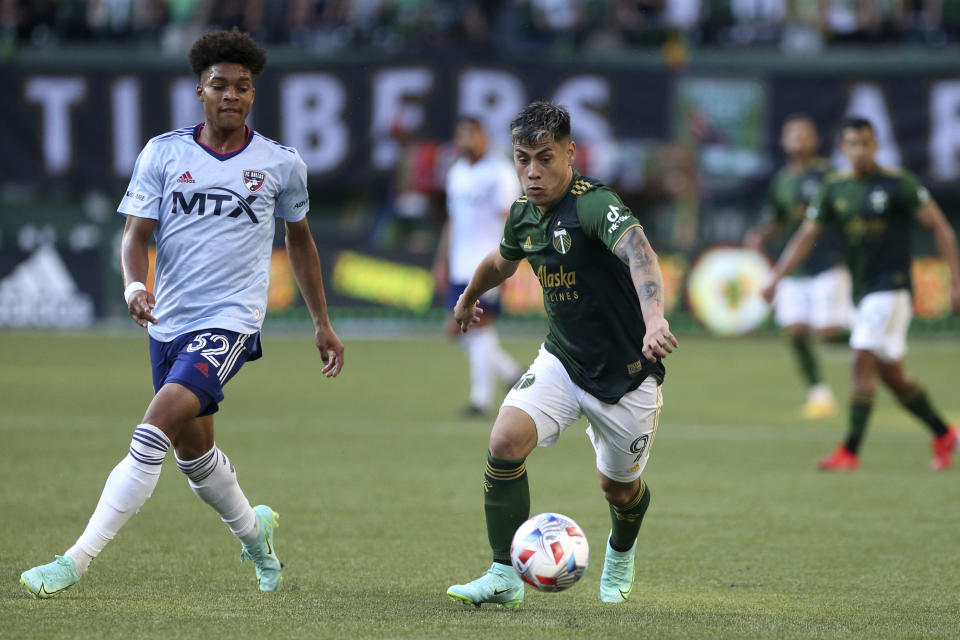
[349, 120]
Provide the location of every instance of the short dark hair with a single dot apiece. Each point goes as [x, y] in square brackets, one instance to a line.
[799, 116]
[227, 46]
[471, 120]
[540, 121]
[855, 122]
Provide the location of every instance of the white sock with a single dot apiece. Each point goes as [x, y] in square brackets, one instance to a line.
[481, 371]
[127, 488]
[214, 480]
[504, 366]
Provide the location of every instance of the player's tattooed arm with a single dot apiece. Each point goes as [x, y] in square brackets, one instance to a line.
[635, 251]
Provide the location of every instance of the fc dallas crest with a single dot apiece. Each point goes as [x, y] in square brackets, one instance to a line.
[253, 179]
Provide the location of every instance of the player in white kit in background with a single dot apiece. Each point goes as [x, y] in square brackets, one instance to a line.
[481, 187]
[209, 195]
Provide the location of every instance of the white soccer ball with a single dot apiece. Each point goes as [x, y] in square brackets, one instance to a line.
[550, 552]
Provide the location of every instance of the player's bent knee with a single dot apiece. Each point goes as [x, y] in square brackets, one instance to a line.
[798, 330]
[172, 409]
[514, 434]
[618, 493]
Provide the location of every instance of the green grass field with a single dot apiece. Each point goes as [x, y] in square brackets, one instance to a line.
[378, 486]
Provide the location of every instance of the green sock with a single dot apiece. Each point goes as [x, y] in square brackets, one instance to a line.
[861, 404]
[841, 337]
[506, 501]
[805, 358]
[628, 518]
[915, 401]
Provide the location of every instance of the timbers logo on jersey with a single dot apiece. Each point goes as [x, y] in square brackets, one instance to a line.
[561, 240]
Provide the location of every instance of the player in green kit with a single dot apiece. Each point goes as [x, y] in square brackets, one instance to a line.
[875, 208]
[603, 293]
[815, 297]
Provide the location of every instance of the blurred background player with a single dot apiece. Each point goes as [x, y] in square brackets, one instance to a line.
[875, 207]
[481, 186]
[211, 297]
[814, 297]
[603, 292]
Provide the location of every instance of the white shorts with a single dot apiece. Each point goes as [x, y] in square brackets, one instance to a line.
[622, 433]
[881, 323]
[821, 301]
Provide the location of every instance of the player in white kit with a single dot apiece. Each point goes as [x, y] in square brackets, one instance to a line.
[209, 195]
[481, 187]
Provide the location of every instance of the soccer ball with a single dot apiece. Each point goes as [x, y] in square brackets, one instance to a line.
[550, 552]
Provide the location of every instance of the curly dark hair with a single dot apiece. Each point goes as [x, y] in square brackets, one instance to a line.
[540, 122]
[227, 46]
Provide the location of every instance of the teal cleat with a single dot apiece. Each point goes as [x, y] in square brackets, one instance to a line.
[262, 552]
[616, 582]
[499, 585]
[48, 580]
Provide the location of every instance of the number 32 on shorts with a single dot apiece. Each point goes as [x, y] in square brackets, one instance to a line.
[220, 346]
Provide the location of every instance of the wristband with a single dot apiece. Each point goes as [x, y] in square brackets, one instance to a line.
[131, 289]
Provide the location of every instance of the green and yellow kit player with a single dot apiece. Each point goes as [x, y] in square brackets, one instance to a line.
[603, 292]
[876, 208]
[814, 299]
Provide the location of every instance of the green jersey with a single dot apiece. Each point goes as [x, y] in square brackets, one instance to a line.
[791, 194]
[876, 216]
[595, 322]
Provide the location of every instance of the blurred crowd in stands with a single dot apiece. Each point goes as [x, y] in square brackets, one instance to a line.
[390, 26]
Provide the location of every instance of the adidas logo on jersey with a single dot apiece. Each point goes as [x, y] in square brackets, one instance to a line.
[186, 177]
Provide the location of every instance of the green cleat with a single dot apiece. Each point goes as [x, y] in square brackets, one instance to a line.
[262, 552]
[48, 580]
[499, 585]
[616, 581]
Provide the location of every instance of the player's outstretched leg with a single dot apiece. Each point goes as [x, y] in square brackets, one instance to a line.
[48, 580]
[213, 479]
[915, 400]
[262, 551]
[844, 457]
[506, 502]
[499, 585]
[820, 401]
[127, 488]
[616, 582]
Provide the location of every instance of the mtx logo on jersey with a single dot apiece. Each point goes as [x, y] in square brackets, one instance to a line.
[561, 240]
[199, 201]
[253, 179]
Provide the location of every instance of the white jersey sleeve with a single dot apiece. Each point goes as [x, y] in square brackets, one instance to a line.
[293, 203]
[145, 191]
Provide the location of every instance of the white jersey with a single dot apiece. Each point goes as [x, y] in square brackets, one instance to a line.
[215, 226]
[479, 196]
